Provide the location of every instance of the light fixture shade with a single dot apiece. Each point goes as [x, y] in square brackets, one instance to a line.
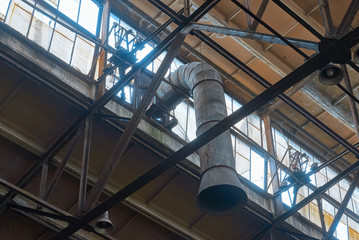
[104, 224]
[330, 75]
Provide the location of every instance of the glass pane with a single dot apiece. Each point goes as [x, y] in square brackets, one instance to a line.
[233, 141]
[236, 105]
[3, 8]
[344, 184]
[287, 197]
[83, 55]
[52, 2]
[327, 207]
[62, 43]
[242, 166]
[328, 219]
[41, 30]
[353, 234]
[257, 169]
[303, 191]
[111, 38]
[330, 173]
[321, 178]
[304, 210]
[254, 133]
[19, 18]
[88, 15]
[70, 8]
[282, 154]
[342, 231]
[254, 120]
[243, 149]
[228, 100]
[294, 145]
[353, 229]
[314, 213]
[334, 192]
[355, 204]
[264, 138]
[242, 126]
[280, 139]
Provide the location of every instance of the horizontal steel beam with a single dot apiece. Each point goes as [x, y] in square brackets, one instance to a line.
[40, 212]
[255, 36]
[58, 213]
[33, 198]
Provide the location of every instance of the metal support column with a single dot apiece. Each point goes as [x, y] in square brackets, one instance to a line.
[321, 215]
[353, 106]
[248, 17]
[186, 8]
[60, 169]
[44, 171]
[102, 60]
[278, 205]
[327, 17]
[85, 165]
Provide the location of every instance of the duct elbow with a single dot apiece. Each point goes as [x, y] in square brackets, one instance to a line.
[179, 84]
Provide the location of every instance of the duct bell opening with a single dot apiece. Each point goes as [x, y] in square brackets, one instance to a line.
[219, 192]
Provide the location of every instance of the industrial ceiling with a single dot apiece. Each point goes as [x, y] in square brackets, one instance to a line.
[269, 54]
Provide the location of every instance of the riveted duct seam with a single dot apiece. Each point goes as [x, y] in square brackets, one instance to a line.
[220, 190]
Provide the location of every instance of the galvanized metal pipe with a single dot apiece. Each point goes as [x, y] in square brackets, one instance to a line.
[220, 189]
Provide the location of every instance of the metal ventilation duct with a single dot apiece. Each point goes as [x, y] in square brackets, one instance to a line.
[220, 190]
